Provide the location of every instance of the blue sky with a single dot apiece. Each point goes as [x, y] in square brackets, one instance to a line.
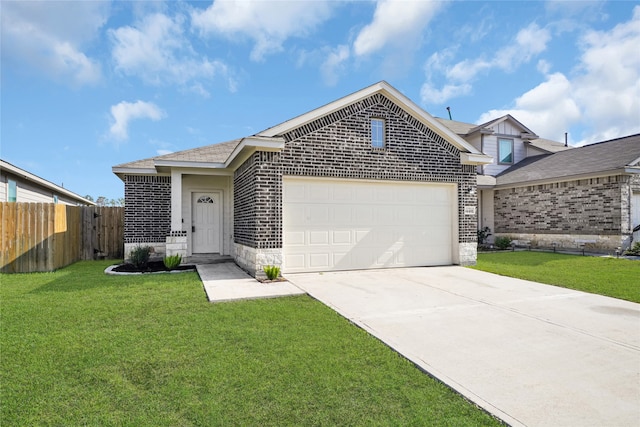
[88, 85]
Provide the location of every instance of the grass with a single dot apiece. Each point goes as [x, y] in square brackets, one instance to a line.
[82, 348]
[618, 278]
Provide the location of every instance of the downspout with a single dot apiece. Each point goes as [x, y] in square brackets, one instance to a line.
[482, 150]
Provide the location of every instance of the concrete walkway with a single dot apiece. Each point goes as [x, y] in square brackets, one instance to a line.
[529, 353]
[227, 282]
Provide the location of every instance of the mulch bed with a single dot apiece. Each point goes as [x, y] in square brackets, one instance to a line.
[152, 267]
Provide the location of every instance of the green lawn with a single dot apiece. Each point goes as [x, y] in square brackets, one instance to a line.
[618, 278]
[78, 347]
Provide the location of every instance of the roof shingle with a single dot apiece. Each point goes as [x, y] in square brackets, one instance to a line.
[591, 159]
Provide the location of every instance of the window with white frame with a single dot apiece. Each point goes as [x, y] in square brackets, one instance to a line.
[12, 191]
[377, 133]
[505, 151]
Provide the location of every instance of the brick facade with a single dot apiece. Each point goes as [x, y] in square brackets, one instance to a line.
[339, 146]
[582, 207]
[147, 211]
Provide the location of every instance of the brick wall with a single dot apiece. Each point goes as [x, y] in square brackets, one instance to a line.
[588, 206]
[339, 146]
[147, 210]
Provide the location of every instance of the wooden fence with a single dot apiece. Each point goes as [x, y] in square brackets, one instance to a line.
[38, 237]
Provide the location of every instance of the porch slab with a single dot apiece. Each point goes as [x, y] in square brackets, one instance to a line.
[227, 282]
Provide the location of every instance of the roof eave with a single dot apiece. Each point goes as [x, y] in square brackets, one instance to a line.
[250, 145]
[44, 183]
[475, 159]
[595, 174]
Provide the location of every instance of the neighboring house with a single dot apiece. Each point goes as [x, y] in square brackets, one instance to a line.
[546, 194]
[18, 185]
[583, 196]
[507, 142]
[367, 181]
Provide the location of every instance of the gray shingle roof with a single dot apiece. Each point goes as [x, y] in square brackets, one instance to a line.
[461, 128]
[591, 159]
[214, 153]
[548, 145]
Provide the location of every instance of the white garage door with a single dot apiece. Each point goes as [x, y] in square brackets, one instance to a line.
[346, 225]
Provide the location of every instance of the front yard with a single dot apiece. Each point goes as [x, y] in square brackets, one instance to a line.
[82, 348]
[618, 278]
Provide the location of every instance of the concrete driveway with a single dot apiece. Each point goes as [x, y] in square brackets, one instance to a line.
[529, 353]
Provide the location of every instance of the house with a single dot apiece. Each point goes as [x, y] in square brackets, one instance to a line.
[367, 181]
[508, 142]
[18, 185]
[546, 194]
[587, 196]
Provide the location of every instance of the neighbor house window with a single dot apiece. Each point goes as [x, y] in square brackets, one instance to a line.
[377, 133]
[55, 199]
[12, 193]
[505, 151]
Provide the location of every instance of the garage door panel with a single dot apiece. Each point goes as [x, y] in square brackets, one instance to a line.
[347, 224]
[295, 238]
[342, 237]
[320, 260]
[319, 237]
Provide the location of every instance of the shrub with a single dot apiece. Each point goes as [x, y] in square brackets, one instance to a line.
[172, 261]
[483, 235]
[503, 242]
[140, 256]
[272, 271]
[635, 250]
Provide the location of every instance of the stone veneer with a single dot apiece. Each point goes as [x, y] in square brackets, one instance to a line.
[339, 146]
[594, 212]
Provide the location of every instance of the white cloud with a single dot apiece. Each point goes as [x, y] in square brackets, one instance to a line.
[396, 22]
[50, 38]
[432, 95]
[334, 64]
[269, 24]
[602, 97]
[608, 84]
[548, 109]
[157, 51]
[529, 42]
[124, 112]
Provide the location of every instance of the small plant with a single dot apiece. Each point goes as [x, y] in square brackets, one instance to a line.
[634, 250]
[140, 256]
[272, 271]
[172, 261]
[483, 235]
[503, 242]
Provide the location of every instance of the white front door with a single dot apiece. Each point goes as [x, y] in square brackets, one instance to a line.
[205, 225]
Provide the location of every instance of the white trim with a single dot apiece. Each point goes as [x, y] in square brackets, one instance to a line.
[475, 159]
[553, 180]
[187, 164]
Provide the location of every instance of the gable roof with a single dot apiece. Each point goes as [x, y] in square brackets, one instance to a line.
[232, 153]
[526, 133]
[6, 166]
[214, 153]
[384, 88]
[466, 129]
[616, 156]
